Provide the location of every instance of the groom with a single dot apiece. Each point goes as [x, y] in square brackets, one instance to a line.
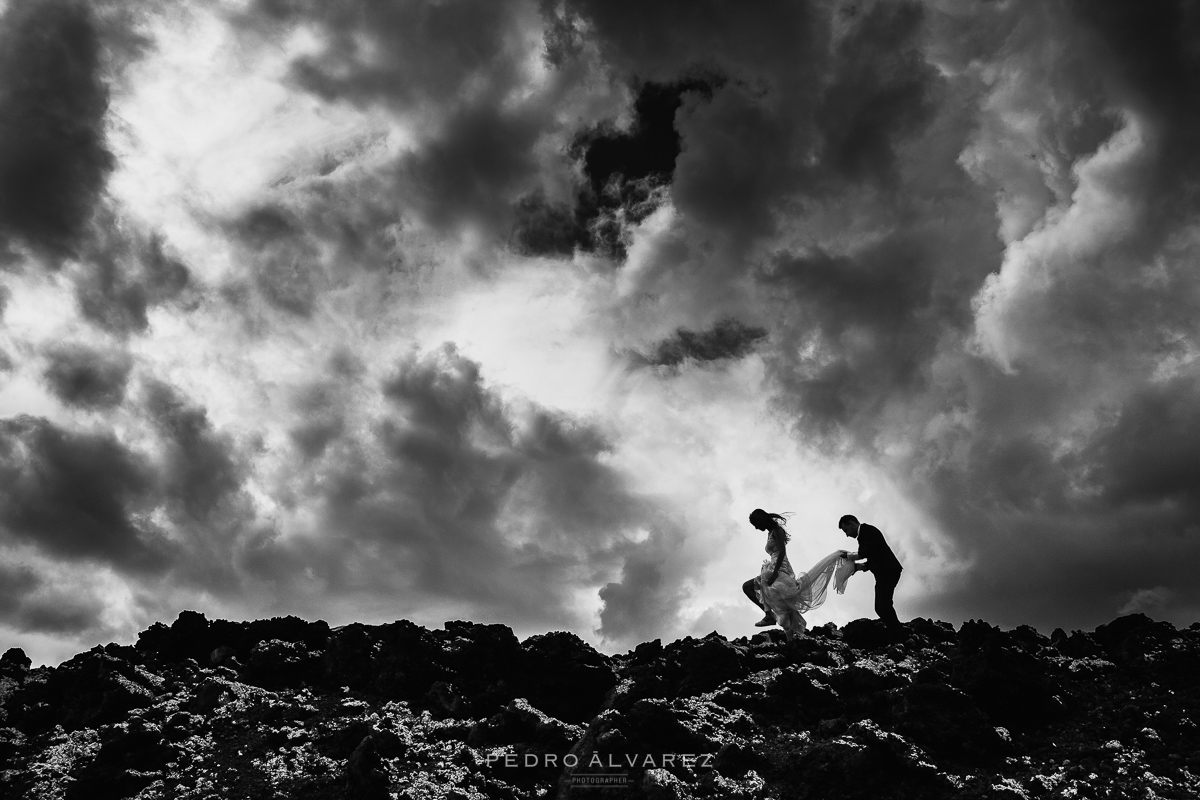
[880, 560]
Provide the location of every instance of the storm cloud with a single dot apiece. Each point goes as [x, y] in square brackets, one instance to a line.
[626, 173]
[728, 339]
[78, 496]
[54, 161]
[82, 377]
[123, 272]
[502, 310]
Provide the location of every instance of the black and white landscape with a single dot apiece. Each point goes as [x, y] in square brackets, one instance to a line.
[511, 311]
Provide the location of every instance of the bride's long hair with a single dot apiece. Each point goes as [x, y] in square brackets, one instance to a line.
[778, 519]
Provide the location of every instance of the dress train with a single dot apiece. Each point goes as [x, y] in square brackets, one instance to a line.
[790, 595]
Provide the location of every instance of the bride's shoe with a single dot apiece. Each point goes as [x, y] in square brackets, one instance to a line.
[766, 621]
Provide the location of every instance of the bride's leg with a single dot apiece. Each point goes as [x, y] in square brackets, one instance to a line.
[753, 590]
[750, 588]
[788, 623]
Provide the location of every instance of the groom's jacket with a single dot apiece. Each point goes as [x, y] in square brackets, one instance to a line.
[872, 547]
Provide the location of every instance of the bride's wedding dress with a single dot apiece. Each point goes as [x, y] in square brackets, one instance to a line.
[791, 595]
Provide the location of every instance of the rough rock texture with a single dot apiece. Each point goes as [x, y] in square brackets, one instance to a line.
[285, 708]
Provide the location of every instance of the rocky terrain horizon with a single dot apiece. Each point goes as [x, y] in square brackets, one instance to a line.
[286, 708]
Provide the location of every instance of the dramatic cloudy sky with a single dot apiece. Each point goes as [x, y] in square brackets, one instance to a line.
[512, 311]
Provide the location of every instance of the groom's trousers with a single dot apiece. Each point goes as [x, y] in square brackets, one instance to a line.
[885, 589]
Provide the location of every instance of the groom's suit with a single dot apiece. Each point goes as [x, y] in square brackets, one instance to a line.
[883, 562]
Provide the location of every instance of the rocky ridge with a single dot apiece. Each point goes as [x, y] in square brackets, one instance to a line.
[285, 708]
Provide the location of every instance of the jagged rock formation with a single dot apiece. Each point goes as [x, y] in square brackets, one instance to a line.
[285, 708]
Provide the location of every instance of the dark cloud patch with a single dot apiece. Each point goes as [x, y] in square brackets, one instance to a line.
[658, 42]
[1018, 488]
[321, 407]
[29, 602]
[444, 399]
[880, 94]
[107, 299]
[285, 259]
[881, 286]
[165, 277]
[53, 159]
[544, 227]
[320, 234]
[1150, 58]
[61, 613]
[17, 581]
[264, 226]
[728, 339]
[625, 173]
[1154, 50]
[345, 365]
[858, 330]
[649, 148]
[807, 126]
[483, 155]
[314, 436]
[78, 496]
[635, 607]
[202, 471]
[87, 378]
[1000, 476]
[1017, 504]
[1017, 575]
[123, 273]
[1150, 455]
[174, 506]
[626, 170]
[458, 485]
[742, 156]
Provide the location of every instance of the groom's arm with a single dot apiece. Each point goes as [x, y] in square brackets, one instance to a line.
[853, 558]
[867, 546]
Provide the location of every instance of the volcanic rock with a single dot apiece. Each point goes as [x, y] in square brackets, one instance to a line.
[290, 708]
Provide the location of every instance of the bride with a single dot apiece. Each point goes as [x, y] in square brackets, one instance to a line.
[781, 593]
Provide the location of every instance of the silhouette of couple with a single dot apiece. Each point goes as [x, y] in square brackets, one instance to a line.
[784, 596]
